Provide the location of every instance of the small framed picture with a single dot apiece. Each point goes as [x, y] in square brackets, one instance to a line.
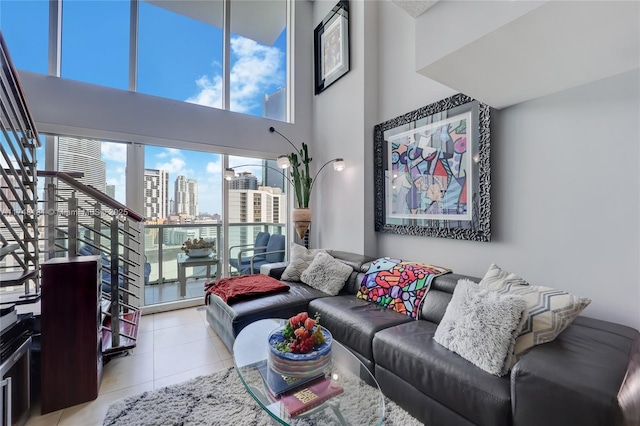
[331, 47]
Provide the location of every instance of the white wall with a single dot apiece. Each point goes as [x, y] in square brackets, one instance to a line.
[565, 177]
[565, 199]
[339, 131]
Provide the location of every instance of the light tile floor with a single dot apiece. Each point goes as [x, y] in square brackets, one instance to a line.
[172, 347]
[168, 292]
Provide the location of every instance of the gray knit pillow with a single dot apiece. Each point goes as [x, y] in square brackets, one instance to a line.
[481, 326]
[327, 274]
[300, 259]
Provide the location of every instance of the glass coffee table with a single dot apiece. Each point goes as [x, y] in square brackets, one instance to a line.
[361, 402]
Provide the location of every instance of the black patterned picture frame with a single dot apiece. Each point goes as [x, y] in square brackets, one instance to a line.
[432, 171]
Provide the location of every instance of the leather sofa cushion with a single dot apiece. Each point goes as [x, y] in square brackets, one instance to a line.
[439, 295]
[353, 322]
[411, 353]
[354, 260]
[280, 305]
[589, 375]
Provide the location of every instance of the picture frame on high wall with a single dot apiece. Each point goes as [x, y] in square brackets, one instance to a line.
[331, 47]
[432, 171]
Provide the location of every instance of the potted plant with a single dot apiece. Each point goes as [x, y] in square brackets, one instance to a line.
[199, 247]
[302, 182]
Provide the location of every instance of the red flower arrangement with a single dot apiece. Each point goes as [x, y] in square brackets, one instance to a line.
[301, 334]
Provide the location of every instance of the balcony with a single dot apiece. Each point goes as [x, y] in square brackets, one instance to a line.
[163, 245]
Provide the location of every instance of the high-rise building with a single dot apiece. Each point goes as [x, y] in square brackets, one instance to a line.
[272, 176]
[266, 204]
[84, 156]
[244, 180]
[186, 196]
[156, 193]
[111, 191]
[274, 106]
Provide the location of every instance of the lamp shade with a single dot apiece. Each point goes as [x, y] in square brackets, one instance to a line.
[283, 162]
[338, 165]
[229, 174]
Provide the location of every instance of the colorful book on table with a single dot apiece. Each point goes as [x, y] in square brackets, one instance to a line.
[277, 384]
[310, 396]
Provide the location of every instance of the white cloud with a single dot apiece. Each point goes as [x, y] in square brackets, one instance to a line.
[170, 152]
[175, 167]
[256, 68]
[214, 167]
[210, 92]
[117, 177]
[4, 164]
[113, 151]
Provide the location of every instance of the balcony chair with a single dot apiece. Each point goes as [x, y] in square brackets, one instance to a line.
[240, 262]
[274, 253]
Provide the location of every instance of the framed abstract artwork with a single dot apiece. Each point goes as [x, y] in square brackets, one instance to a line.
[432, 171]
[331, 46]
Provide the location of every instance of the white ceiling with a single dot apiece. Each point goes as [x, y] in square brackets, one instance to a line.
[414, 8]
[259, 20]
[556, 46]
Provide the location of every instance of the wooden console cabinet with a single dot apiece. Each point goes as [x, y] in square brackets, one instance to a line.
[71, 356]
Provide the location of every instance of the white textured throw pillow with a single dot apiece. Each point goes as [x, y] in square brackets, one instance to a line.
[300, 259]
[481, 326]
[326, 274]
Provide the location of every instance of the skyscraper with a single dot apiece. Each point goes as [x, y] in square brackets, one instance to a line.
[85, 156]
[266, 204]
[156, 193]
[186, 196]
[111, 191]
[244, 180]
[272, 175]
[274, 106]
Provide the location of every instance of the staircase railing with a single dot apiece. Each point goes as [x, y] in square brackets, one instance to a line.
[83, 221]
[18, 181]
[77, 219]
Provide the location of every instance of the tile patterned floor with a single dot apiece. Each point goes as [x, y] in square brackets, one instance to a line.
[168, 292]
[172, 348]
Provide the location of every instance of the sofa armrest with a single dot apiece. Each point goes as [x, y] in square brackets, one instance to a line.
[274, 270]
[576, 379]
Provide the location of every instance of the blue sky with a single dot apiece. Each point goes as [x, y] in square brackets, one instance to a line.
[178, 58]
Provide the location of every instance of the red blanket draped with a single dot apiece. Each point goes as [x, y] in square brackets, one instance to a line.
[245, 287]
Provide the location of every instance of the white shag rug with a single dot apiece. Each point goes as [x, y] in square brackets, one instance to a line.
[221, 399]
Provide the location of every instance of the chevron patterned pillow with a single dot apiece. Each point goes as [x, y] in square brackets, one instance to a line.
[496, 278]
[550, 311]
[300, 259]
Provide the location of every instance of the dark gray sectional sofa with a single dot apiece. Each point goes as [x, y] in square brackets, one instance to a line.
[589, 375]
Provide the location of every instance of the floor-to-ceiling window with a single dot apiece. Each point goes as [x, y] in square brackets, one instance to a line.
[95, 42]
[180, 50]
[182, 201]
[25, 27]
[168, 48]
[258, 58]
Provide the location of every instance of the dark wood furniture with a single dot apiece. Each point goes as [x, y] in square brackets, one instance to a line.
[71, 335]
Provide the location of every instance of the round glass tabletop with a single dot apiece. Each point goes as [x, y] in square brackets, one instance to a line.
[344, 393]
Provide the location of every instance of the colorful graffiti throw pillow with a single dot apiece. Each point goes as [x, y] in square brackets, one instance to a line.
[398, 285]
